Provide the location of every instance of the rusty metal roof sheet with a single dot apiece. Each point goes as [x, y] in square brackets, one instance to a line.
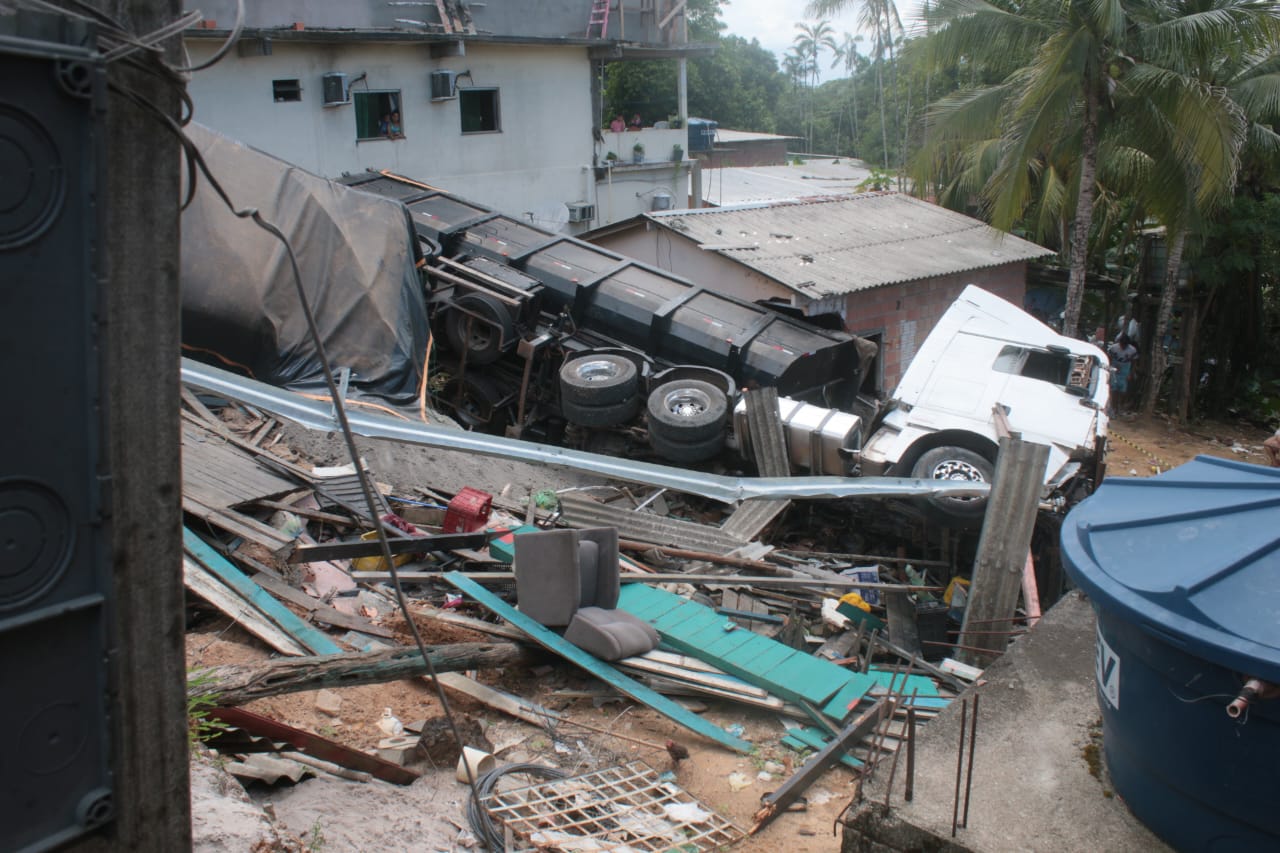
[830, 246]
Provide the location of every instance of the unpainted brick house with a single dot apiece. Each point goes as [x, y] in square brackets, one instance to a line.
[888, 264]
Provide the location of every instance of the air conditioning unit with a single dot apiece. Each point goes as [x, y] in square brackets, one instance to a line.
[335, 89]
[581, 211]
[443, 85]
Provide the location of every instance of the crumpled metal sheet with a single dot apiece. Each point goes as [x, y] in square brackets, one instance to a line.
[319, 416]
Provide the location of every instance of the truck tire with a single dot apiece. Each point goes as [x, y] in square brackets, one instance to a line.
[478, 407]
[686, 451]
[598, 380]
[608, 415]
[955, 463]
[484, 344]
[687, 411]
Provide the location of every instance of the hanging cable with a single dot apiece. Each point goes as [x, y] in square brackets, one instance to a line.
[145, 54]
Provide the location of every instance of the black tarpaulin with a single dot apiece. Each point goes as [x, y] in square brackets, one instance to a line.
[357, 253]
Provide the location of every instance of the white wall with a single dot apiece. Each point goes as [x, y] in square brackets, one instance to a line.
[680, 255]
[540, 159]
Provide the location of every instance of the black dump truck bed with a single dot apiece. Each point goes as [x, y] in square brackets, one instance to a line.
[668, 317]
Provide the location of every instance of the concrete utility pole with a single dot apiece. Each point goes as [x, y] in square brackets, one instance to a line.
[148, 736]
[1002, 549]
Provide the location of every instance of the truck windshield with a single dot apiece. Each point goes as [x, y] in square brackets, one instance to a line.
[1051, 367]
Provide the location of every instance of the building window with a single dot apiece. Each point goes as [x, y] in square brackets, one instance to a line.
[286, 90]
[479, 109]
[378, 115]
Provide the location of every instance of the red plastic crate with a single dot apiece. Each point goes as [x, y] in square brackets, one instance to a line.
[468, 511]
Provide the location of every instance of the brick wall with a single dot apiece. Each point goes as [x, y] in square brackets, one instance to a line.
[906, 313]
[761, 152]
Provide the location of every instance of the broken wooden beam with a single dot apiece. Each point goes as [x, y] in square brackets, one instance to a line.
[236, 684]
[373, 548]
[313, 745]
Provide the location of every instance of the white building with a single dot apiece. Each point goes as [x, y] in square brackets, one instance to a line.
[498, 102]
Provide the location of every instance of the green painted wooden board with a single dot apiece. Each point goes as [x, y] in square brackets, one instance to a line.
[838, 708]
[554, 642]
[699, 631]
[816, 740]
[306, 635]
[922, 684]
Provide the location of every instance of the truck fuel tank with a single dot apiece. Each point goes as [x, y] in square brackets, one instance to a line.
[819, 439]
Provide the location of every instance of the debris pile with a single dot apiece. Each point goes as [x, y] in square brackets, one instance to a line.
[799, 658]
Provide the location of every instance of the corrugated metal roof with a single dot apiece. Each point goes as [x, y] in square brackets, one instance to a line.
[832, 246]
[736, 185]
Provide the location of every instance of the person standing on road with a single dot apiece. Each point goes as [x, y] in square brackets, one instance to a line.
[1123, 354]
[1272, 448]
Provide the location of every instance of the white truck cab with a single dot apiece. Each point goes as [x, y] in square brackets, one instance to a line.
[986, 355]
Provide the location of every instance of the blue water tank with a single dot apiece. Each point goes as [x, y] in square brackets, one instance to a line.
[1183, 570]
[702, 134]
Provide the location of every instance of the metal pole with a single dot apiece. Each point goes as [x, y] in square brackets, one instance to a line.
[955, 803]
[909, 787]
[973, 742]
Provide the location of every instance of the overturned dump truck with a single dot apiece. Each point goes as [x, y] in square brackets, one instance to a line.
[551, 339]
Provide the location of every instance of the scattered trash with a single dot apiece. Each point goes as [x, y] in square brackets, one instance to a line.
[738, 781]
[389, 724]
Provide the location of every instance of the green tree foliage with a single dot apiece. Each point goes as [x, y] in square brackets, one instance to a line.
[738, 87]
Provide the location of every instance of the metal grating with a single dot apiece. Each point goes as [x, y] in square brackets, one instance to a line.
[627, 807]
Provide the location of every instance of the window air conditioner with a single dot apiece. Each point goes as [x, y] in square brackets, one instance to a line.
[334, 89]
[443, 85]
[581, 211]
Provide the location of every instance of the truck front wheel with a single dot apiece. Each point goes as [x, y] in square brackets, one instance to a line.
[955, 463]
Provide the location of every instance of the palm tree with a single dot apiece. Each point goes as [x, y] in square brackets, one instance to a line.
[809, 43]
[882, 19]
[1231, 84]
[846, 54]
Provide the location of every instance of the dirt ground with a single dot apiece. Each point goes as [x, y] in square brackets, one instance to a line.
[1141, 447]
[337, 815]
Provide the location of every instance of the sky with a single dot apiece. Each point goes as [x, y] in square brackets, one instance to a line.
[773, 24]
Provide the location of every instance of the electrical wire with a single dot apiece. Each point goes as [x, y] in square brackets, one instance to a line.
[148, 47]
[481, 822]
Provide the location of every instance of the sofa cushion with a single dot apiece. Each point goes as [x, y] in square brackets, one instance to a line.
[610, 634]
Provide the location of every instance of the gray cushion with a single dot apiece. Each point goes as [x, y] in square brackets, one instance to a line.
[610, 634]
[548, 588]
[588, 571]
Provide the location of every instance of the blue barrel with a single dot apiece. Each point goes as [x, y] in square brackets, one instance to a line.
[1183, 571]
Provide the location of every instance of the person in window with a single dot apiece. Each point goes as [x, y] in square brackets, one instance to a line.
[384, 125]
[393, 127]
[1123, 354]
[636, 124]
[618, 124]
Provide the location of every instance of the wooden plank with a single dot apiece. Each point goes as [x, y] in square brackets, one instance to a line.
[306, 635]
[555, 643]
[801, 585]
[239, 525]
[203, 583]
[319, 611]
[726, 683]
[372, 548]
[841, 704]
[780, 670]
[521, 709]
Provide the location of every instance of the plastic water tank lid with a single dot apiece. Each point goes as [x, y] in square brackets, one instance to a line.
[1193, 553]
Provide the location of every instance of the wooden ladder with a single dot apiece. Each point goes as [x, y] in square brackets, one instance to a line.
[599, 15]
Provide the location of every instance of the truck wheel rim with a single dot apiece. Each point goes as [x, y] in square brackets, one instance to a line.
[686, 403]
[596, 371]
[955, 469]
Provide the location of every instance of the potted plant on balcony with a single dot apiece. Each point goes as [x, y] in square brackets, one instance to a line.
[677, 152]
[637, 153]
